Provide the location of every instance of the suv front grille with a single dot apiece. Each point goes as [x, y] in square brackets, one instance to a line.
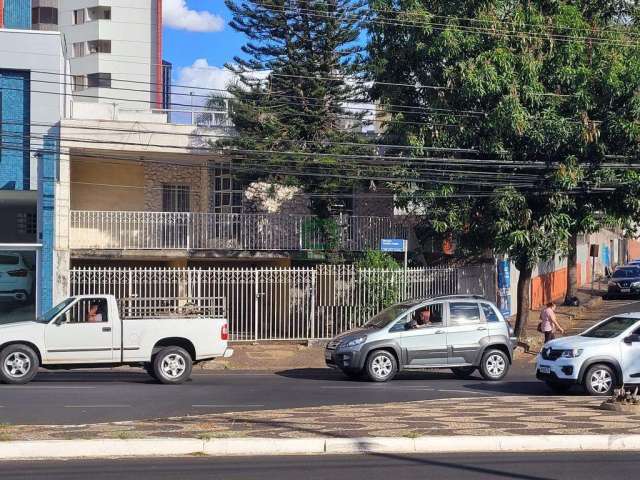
[551, 354]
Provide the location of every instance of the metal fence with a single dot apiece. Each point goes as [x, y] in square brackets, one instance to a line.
[276, 303]
[227, 231]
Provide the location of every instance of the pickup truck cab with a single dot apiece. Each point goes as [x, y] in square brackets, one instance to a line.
[92, 331]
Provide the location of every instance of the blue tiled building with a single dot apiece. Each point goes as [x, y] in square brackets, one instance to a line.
[30, 116]
[17, 14]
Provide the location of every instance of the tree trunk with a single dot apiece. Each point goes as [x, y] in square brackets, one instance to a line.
[523, 299]
[572, 269]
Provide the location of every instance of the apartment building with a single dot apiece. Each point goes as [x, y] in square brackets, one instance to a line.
[31, 109]
[114, 47]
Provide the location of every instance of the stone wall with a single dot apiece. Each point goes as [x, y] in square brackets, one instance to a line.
[156, 175]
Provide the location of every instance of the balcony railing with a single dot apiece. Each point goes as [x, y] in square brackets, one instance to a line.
[228, 231]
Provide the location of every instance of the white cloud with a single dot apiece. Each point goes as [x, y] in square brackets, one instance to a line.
[178, 15]
[200, 78]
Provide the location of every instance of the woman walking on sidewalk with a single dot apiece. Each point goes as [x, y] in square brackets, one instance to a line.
[548, 323]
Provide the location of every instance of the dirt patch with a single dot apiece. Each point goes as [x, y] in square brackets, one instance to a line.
[265, 356]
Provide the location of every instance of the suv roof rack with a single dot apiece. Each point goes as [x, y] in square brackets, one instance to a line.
[459, 295]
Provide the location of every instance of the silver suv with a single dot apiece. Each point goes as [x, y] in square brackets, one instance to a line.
[600, 359]
[459, 332]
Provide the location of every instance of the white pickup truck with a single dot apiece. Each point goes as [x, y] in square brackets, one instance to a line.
[164, 337]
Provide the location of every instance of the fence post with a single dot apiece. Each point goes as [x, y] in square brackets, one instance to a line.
[313, 303]
[256, 303]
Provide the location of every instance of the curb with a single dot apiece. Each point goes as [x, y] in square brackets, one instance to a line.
[101, 448]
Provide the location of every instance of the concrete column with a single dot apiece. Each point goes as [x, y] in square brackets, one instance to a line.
[62, 251]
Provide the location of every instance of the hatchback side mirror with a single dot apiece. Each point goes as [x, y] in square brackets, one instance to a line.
[633, 338]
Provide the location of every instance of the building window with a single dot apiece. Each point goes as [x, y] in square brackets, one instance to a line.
[99, 80]
[44, 15]
[78, 17]
[99, 46]
[26, 223]
[79, 50]
[176, 198]
[227, 194]
[79, 83]
[98, 13]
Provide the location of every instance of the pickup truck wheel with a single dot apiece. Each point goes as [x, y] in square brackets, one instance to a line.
[172, 365]
[18, 364]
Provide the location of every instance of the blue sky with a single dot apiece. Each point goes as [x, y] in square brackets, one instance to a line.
[182, 47]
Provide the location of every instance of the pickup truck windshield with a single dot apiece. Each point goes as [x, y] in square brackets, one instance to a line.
[611, 328]
[49, 314]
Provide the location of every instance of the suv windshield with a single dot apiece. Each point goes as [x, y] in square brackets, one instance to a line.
[610, 328]
[629, 272]
[48, 315]
[387, 316]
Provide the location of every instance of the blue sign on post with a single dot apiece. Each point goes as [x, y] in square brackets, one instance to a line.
[392, 245]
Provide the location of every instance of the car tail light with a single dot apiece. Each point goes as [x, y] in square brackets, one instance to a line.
[18, 273]
[224, 332]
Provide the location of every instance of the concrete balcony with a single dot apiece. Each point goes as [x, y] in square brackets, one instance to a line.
[110, 230]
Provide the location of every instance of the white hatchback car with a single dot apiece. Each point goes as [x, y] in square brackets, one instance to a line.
[600, 359]
[16, 278]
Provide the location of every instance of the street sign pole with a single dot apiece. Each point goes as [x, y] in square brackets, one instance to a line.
[406, 252]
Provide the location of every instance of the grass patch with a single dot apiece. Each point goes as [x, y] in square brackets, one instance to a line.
[213, 435]
[198, 454]
[128, 435]
[411, 434]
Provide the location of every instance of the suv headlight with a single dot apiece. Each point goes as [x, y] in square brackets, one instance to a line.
[573, 353]
[635, 284]
[355, 342]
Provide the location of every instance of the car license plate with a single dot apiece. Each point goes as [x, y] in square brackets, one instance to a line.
[327, 355]
[544, 369]
[625, 290]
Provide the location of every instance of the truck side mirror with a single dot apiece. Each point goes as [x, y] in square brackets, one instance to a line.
[633, 338]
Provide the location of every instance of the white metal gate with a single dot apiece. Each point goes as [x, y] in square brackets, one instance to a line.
[277, 303]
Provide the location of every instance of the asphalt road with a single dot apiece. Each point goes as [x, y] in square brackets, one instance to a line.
[536, 466]
[102, 396]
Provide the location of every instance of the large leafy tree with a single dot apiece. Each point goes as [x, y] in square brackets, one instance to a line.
[294, 82]
[543, 93]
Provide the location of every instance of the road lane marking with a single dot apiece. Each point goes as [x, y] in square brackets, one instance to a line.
[97, 406]
[225, 406]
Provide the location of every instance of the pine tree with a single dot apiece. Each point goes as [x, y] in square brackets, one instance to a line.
[299, 70]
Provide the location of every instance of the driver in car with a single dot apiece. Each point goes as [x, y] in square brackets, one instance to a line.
[423, 319]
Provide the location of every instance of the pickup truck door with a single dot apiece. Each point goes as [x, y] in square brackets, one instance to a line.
[83, 333]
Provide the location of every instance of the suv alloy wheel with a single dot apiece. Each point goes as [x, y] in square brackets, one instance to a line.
[494, 365]
[381, 366]
[599, 380]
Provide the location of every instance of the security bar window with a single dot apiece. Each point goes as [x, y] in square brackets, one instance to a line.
[176, 198]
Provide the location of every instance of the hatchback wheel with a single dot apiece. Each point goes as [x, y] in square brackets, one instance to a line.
[494, 365]
[18, 364]
[599, 380]
[381, 366]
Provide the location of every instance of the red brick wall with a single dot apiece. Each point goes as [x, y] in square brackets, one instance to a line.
[633, 249]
